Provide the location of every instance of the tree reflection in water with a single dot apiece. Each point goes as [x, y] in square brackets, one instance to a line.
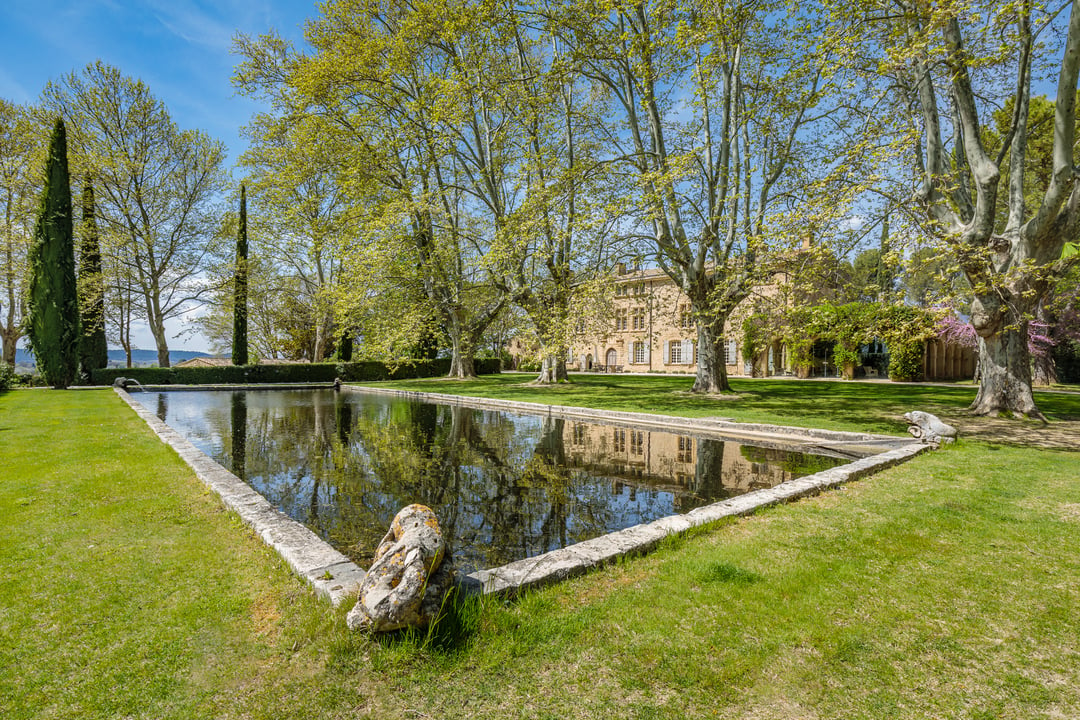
[504, 486]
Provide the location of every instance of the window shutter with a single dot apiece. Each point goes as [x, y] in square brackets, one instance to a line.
[688, 352]
[667, 353]
[648, 358]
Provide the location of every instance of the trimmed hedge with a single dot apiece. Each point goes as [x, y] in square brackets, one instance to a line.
[292, 373]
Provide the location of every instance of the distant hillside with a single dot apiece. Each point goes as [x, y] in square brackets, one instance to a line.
[117, 358]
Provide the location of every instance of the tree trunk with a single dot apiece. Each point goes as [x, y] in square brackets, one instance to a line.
[10, 342]
[1005, 374]
[708, 479]
[1044, 369]
[553, 370]
[1043, 360]
[157, 329]
[462, 365]
[711, 371]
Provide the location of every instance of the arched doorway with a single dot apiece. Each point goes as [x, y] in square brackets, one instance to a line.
[588, 361]
[612, 358]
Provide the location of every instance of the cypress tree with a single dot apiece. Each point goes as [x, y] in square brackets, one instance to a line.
[344, 349]
[53, 307]
[240, 282]
[93, 349]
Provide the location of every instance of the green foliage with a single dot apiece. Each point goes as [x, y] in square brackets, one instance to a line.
[343, 350]
[54, 301]
[21, 148]
[7, 376]
[757, 335]
[290, 373]
[240, 288]
[1067, 358]
[93, 347]
[852, 325]
[905, 361]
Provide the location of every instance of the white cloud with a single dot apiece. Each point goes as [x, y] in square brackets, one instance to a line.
[190, 23]
[854, 222]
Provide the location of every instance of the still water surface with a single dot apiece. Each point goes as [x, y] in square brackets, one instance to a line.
[505, 486]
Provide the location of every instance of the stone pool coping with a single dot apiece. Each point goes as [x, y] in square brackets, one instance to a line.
[333, 576]
[329, 572]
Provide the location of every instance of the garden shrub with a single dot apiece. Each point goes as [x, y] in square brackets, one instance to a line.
[292, 373]
[7, 377]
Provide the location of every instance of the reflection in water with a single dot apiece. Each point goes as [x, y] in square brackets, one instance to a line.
[504, 486]
[238, 433]
[162, 406]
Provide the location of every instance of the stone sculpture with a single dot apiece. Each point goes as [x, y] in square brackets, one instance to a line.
[929, 428]
[408, 579]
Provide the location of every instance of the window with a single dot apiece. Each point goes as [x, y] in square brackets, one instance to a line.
[675, 353]
[637, 318]
[685, 449]
[579, 433]
[639, 289]
[686, 316]
[637, 442]
[641, 352]
[620, 319]
[730, 353]
[621, 290]
[619, 442]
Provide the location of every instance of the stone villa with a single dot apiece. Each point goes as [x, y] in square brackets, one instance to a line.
[652, 330]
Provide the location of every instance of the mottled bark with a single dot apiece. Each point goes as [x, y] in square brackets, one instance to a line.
[711, 370]
[552, 369]
[1005, 373]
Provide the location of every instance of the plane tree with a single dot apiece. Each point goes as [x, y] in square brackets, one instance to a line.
[721, 118]
[21, 154]
[390, 87]
[949, 67]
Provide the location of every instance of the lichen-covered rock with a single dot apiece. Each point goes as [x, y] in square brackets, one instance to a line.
[408, 579]
[929, 428]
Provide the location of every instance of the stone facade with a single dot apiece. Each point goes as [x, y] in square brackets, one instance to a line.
[652, 330]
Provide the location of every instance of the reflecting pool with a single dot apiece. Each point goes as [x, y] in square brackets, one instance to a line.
[505, 486]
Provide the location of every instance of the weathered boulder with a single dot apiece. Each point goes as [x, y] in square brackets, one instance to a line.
[408, 579]
[929, 428]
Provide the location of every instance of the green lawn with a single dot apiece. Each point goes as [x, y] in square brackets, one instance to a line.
[946, 587]
[858, 406]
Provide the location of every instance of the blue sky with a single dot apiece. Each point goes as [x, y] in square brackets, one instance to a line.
[180, 48]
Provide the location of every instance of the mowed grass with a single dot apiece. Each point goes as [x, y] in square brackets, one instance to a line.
[946, 587]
